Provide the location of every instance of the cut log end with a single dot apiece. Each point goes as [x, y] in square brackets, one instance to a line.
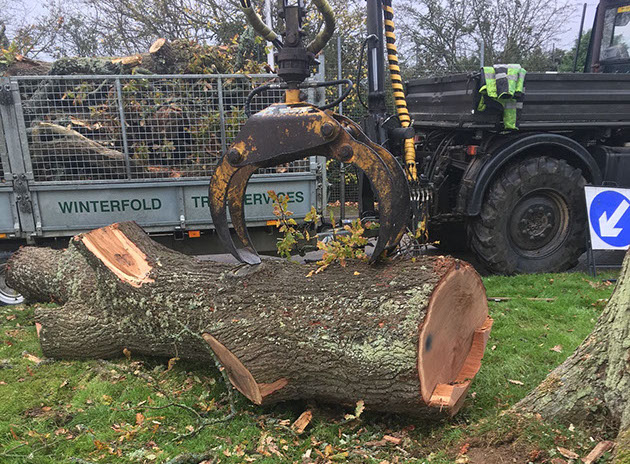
[116, 251]
[240, 376]
[453, 337]
[157, 45]
[451, 395]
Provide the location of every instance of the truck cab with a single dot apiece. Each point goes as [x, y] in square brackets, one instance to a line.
[609, 50]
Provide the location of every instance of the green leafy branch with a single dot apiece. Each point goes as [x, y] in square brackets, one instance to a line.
[287, 226]
[343, 247]
[349, 245]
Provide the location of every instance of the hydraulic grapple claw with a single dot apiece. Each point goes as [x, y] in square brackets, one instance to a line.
[399, 184]
[283, 133]
[236, 205]
[218, 195]
[383, 174]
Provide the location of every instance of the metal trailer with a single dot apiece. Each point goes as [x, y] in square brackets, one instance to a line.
[150, 144]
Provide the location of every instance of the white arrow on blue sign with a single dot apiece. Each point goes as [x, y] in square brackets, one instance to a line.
[608, 217]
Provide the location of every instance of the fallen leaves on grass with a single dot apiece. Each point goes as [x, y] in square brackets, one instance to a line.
[598, 284]
[392, 439]
[558, 461]
[386, 440]
[267, 446]
[516, 382]
[31, 357]
[557, 349]
[331, 454]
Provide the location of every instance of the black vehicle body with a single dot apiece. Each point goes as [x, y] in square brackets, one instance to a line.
[573, 124]
[581, 118]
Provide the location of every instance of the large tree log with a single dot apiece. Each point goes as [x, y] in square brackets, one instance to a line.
[65, 154]
[404, 337]
[592, 387]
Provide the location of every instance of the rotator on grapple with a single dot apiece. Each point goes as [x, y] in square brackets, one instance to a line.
[289, 131]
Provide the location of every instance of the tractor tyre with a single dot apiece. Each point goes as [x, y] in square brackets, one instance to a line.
[533, 218]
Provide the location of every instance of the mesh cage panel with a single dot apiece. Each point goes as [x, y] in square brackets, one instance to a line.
[73, 129]
[334, 179]
[137, 127]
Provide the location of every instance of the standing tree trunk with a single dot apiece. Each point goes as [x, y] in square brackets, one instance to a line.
[592, 386]
[404, 337]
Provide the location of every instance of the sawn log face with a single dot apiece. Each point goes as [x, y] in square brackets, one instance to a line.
[338, 336]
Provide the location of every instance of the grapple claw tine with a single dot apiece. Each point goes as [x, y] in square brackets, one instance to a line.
[400, 186]
[236, 206]
[218, 195]
[393, 217]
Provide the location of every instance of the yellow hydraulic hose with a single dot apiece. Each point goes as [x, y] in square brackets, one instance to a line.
[397, 86]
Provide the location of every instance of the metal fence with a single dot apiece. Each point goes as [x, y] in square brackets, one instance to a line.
[145, 127]
[136, 127]
[337, 173]
[81, 152]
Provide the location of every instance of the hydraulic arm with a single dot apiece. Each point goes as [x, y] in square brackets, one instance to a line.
[289, 131]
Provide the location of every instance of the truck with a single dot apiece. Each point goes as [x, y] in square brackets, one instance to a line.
[515, 197]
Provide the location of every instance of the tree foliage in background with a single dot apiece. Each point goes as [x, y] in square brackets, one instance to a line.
[123, 27]
[23, 35]
[566, 65]
[442, 36]
[435, 36]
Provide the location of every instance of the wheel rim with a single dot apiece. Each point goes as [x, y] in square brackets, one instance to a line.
[8, 296]
[539, 224]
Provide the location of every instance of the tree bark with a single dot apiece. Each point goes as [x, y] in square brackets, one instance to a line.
[592, 387]
[403, 337]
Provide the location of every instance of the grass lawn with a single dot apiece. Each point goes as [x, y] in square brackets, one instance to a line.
[96, 411]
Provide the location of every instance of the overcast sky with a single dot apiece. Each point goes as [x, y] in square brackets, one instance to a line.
[35, 7]
[568, 39]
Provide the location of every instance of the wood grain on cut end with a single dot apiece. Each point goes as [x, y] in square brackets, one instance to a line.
[114, 249]
[157, 45]
[452, 395]
[456, 311]
[238, 374]
[267, 389]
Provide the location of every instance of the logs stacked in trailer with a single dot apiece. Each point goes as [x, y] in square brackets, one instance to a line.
[404, 336]
[85, 115]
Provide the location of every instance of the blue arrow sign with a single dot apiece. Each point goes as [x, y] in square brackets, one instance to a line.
[609, 216]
